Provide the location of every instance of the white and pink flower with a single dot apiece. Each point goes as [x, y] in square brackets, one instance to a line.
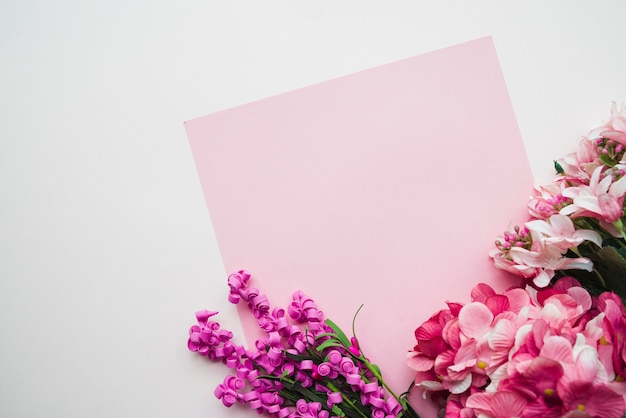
[538, 250]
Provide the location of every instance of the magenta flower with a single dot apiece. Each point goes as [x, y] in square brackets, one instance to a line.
[525, 353]
[586, 399]
[501, 404]
[303, 367]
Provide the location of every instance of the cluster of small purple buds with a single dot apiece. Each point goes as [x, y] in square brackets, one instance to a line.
[553, 205]
[520, 237]
[612, 149]
[288, 362]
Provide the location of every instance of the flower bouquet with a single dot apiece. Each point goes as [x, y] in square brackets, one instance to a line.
[556, 346]
[551, 347]
[578, 220]
[304, 367]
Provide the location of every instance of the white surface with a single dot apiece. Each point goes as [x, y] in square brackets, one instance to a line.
[106, 247]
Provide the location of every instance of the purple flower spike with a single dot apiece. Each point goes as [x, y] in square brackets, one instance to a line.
[299, 350]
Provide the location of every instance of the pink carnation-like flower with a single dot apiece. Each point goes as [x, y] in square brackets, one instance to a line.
[525, 353]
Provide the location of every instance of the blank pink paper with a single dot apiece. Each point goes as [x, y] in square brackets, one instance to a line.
[385, 188]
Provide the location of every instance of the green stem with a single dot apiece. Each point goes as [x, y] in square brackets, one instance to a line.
[367, 363]
[334, 388]
[380, 379]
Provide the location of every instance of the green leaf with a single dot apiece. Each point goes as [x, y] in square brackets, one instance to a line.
[558, 168]
[328, 343]
[377, 369]
[326, 334]
[297, 357]
[337, 411]
[342, 337]
[307, 394]
[607, 160]
[610, 264]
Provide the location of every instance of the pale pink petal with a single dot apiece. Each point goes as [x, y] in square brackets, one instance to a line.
[475, 320]
[419, 362]
[524, 257]
[480, 401]
[581, 296]
[595, 177]
[615, 136]
[561, 225]
[605, 356]
[460, 368]
[503, 336]
[610, 209]
[604, 184]
[618, 188]
[557, 348]
[589, 235]
[459, 386]
[588, 202]
[498, 404]
[543, 279]
[541, 226]
[518, 298]
[551, 314]
[507, 404]
[431, 385]
[574, 263]
[522, 334]
[593, 328]
[612, 310]
[587, 364]
[569, 209]
[496, 376]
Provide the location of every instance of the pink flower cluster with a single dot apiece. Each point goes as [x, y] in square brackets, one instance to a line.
[303, 368]
[525, 353]
[584, 204]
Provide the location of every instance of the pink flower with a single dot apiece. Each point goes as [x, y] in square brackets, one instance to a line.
[538, 250]
[614, 128]
[586, 399]
[513, 238]
[559, 231]
[546, 260]
[577, 167]
[526, 353]
[602, 199]
[547, 200]
[502, 404]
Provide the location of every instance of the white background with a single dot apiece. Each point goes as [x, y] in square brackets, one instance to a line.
[106, 246]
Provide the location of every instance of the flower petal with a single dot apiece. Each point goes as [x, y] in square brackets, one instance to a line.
[557, 348]
[475, 320]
